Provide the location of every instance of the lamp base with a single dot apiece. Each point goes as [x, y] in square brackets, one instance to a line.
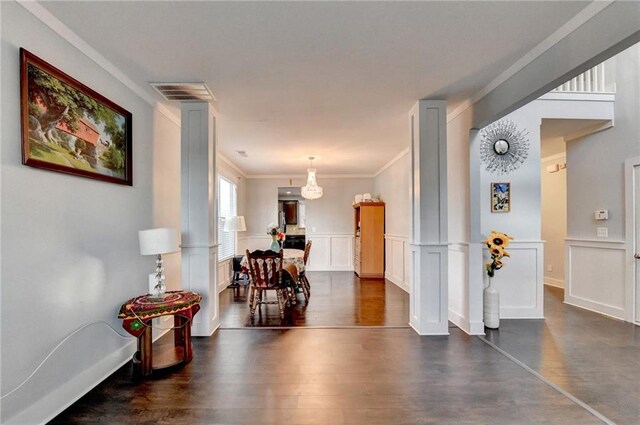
[158, 297]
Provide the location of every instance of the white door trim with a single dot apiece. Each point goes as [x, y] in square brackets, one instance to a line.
[632, 245]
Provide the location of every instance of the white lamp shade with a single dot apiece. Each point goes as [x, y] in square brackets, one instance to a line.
[158, 241]
[235, 224]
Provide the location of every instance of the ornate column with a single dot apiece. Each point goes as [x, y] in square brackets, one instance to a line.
[428, 312]
[200, 212]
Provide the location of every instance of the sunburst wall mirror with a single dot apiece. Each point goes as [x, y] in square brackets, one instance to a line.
[503, 147]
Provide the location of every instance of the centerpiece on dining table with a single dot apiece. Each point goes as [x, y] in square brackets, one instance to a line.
[277, 237]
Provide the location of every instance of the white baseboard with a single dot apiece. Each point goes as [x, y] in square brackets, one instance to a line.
[594, 307]
[62, 377]
[476, 328]
[459, 321]
[557, 283]
[402, 285]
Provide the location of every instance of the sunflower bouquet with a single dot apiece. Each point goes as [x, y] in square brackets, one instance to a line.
[497, 242]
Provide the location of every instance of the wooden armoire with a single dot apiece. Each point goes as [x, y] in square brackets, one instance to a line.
[369, 237]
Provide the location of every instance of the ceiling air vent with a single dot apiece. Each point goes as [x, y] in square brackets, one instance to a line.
[184, 92]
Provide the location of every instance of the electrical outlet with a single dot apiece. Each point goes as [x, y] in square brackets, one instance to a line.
[549, 268]
[603, 232]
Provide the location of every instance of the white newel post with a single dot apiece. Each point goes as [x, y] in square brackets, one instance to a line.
[428, 232]
[200, 213]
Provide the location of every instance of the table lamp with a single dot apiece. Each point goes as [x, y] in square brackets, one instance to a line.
[157, 242]
[235, 224]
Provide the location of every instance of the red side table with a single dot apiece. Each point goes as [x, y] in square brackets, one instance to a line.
[137, 314]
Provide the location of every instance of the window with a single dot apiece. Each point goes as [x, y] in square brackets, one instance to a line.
[227, 207]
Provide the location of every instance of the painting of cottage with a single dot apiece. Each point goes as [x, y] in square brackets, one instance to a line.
[71, 128]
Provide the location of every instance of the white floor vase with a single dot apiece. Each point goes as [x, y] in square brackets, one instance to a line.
[491, 306]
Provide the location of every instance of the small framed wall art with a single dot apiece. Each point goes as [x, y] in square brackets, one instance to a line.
[500, 197]
[70, 128]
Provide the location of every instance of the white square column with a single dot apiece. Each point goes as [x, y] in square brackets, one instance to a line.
[199, 193]
[429, 310]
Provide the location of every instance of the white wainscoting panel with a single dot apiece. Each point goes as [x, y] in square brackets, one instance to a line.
[458, 278]
[329, 252]
[520, 281]
[397, 260]
[341, 256]
[224, 274]
[595, 276]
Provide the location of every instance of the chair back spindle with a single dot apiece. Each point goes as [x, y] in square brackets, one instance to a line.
[265, 268]
[307, 250]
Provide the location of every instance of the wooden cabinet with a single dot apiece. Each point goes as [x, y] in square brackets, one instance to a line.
[369, 239]
[290, 209]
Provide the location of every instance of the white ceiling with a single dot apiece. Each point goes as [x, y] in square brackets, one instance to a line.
[332, 79]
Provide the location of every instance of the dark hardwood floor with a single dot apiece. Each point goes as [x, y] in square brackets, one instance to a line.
[337, 299]
[593, 357]
[377, 376]
[354, 376]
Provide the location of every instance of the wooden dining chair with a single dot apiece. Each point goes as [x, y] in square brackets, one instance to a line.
[303, 276]
[265, 268]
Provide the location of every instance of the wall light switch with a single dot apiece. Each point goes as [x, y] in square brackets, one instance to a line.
[603, 232]
[601, 215]
[549, 268]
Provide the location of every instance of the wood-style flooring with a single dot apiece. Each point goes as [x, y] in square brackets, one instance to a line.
[359, 376]
[593, 357]
[392, 376]
[337, 299]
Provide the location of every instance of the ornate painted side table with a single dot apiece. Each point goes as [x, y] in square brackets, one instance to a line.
[137, 314]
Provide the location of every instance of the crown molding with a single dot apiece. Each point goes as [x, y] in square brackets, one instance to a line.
[47, 18]
[392, 161]
[570, 26]
[304, 176]
[232, 165]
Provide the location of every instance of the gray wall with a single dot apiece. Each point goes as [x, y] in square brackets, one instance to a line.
[595, 164]
[393, 187]
[70, 253]
[330, 214]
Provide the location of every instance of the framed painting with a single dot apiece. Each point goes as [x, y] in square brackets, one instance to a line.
[500, 197]
[69, 128]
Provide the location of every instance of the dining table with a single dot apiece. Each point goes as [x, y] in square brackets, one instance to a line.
[292, 264]
[290, 257]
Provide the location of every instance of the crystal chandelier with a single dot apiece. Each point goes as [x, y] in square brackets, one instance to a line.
[311, 190]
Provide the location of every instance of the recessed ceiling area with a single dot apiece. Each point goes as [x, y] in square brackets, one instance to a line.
[331, 79]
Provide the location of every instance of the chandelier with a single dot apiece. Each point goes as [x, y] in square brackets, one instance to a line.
[311, 190]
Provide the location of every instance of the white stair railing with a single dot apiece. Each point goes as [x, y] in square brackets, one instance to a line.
[591, 81]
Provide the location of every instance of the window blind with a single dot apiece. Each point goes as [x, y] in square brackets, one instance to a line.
[227, 207]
